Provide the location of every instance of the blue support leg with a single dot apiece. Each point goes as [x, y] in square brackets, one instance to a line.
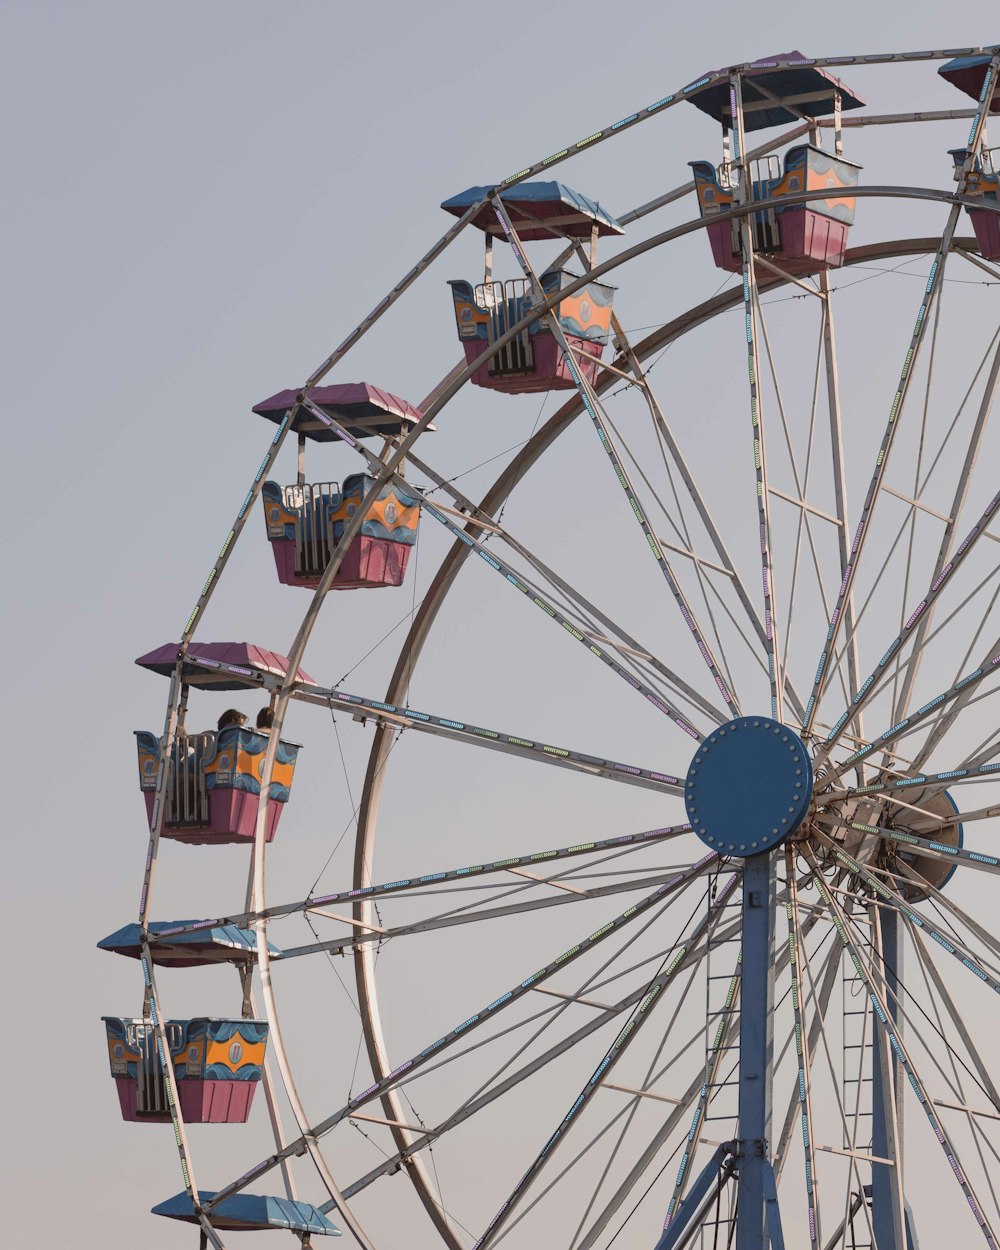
[718, 1170]
[756, 1049]
[772, 1211]
[889, 1217]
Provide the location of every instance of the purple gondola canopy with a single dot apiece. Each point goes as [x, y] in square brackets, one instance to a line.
[366, 411]
[800, 86]
[220, 665]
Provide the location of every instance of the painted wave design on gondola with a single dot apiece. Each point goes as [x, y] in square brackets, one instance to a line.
[238, 764]
[585, 314]
[806, 168]
[201, 1048]
[280, 520]
[393, 516]
[235, 763]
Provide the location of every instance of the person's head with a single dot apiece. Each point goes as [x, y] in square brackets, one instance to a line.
[265, 718]
[231, 717]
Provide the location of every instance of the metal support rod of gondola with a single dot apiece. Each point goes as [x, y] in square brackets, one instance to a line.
[267, 1081]
[166, 1066]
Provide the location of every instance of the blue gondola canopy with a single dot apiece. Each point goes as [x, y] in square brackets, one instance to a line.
[538, 210]
[800, 87]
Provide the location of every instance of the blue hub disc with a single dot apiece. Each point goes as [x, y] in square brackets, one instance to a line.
[749, 786]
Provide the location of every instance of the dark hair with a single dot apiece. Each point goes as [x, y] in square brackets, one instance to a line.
[265, 718]
[231, 717]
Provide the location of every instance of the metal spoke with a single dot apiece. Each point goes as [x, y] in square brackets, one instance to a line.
[896, 411]
[631, 648]
[592, 404]
[471, 1107]
[795, 962]
[629, 841]
[495, 740]
[802, 490]
[462, 916]
[894, 900]
[932, 850]
[942, 564]
[510, 575]
[475, 1021]
[617, 1049]
[957, 695]
[899, 1049]
[907, 634]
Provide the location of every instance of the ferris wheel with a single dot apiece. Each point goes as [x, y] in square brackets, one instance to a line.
[745, 570]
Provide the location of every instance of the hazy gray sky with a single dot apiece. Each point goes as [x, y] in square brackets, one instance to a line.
[200, 200]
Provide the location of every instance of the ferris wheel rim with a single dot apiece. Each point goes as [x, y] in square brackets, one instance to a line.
[440, 586]
[867, 191]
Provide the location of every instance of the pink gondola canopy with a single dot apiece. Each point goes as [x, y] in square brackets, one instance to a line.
[220, 665]
[366, 411]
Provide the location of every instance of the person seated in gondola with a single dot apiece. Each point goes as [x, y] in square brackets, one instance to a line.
[265, 719]
[232, 716]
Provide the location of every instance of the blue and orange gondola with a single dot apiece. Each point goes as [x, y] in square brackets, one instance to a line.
[305, 521]
[213, 785]
[532, 360]
[799, 237]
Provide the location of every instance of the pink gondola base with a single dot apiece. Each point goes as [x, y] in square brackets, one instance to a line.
[232, 818]
[201, 1102]
[370, 563]
[810, 242]
[986, 224]
[550, 372]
